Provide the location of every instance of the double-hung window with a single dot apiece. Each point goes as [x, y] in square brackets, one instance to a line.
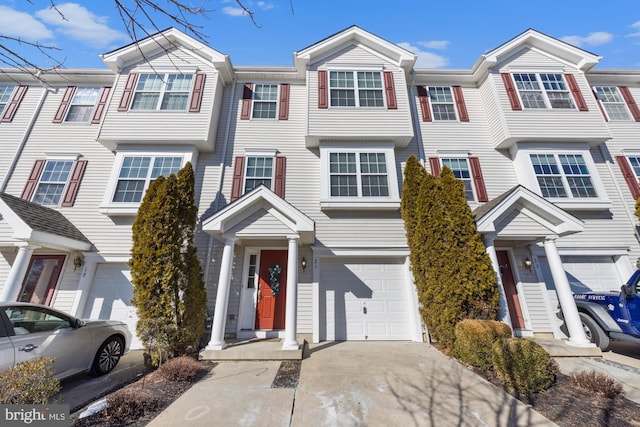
[52, 182]
[259, 172]
[168, 91]
[442, 103]
[138, 171]
[461, 170]
[5, 96]
[265, 101]
[82, 104]
[563, 175]
[613, 103]
[358, 177]
[543, 90]
[356, 89]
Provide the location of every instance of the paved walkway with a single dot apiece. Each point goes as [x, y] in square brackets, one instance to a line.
[350, 384]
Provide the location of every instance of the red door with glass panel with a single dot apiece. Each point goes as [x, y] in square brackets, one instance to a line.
[272, 281]
[510, 290]
[41, 279]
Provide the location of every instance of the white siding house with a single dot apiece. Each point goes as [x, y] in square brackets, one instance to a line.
[299, 174]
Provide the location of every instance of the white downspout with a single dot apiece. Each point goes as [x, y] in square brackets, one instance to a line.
[23, 141]
[416, 121]
[220, 177]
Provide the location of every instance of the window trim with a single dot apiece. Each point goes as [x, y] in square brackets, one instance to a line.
[70, 104]
[356, 89]
[328, 202]
[108, 206]
[12, 89]
[604, 103]
[164, 73]
[527, 177]
[545, 92]
[276, 101]
[47, 161]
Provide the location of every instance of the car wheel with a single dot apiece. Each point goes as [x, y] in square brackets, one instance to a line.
[107, 356]
[594, 332]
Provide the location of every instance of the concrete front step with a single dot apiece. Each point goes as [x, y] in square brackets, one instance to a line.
[561, 348]
[253, 349]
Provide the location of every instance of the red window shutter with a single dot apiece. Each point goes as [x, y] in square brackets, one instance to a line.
[247, 95]
[64, 104]
[283, 114]
[74, 183]
[196, 93]
[629, 176]
[576, 92]
[127, 93]
[278, 188]
[423, 98]
[12, 107]
[478, 179]
[238, 178]
[512, 93]
[323, 92]
[604, 114]
[631, 103]
[434, 162]
[32, 181]
[101, 105]
[390, 90]
[462, 107]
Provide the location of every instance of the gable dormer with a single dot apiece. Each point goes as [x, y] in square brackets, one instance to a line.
[540, 92]
[171, 86]
[357, 89]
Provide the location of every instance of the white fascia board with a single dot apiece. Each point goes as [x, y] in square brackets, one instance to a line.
[55, 241]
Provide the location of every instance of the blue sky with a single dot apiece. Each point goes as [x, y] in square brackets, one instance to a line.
[444, 34]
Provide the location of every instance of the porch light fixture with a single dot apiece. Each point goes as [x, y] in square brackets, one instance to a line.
[527, 264]
[77, 262]
[303, 264]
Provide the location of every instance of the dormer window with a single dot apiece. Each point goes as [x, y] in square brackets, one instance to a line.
[356, 89]
[162, 92]
[544, 90]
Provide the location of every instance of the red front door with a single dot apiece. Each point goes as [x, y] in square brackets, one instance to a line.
[510, 290]
[270, 310]
[41, 279]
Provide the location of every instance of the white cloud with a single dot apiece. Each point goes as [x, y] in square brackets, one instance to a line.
[22, 25]
[233, 11]
[80, 24]
[426, 59]
[636, 27]
[434, 44]
[265, 6]
[593, 39]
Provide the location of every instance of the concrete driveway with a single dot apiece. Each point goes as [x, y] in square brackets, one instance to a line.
[351, 384]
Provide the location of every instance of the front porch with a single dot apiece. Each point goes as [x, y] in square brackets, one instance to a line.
[255, 349]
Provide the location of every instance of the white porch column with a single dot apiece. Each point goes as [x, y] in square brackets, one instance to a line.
[565, 296]
[503, 315]
[290, 322]
[84, 286]
[222, 297]
[16, 275]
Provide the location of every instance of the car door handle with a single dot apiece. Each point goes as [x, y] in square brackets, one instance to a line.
[28, 348]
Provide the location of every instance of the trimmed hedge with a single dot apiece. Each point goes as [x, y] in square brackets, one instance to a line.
[523, 365]
[474, 339]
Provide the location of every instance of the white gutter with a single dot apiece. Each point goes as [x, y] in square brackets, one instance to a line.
[23, 141]
[220, 176]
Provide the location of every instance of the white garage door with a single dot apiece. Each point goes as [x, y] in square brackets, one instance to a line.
[110, 298]
[364, 300]
[591, 273]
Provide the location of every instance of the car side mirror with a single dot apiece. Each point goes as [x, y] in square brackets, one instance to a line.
[79, 324]
[627, 291]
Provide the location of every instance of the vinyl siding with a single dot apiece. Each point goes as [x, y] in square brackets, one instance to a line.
[340, 123]
[168, 127]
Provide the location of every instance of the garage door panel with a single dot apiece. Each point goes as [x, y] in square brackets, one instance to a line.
[591, 273]
[374, 295]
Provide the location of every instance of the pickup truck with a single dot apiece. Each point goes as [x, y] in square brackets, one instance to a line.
[611, 315]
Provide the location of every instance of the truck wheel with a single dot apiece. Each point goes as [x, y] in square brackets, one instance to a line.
[594, 332]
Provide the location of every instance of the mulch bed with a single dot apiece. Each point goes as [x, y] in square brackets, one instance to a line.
[153, 393]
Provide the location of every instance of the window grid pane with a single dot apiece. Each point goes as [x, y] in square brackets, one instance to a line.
[52, 182]
[613, 103]
[5, 96]
[373, 167]
[529, 89]
[137, 173]
[460, 169]
[635, 164]
[259, 171]
[164, 92]
[343, 176]
[82, 104]
[343, 86]
[548, 175]
[265, 101]
[442, 103]
[577, 175]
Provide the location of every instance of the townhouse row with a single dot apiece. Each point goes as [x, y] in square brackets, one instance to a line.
[299, 175]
